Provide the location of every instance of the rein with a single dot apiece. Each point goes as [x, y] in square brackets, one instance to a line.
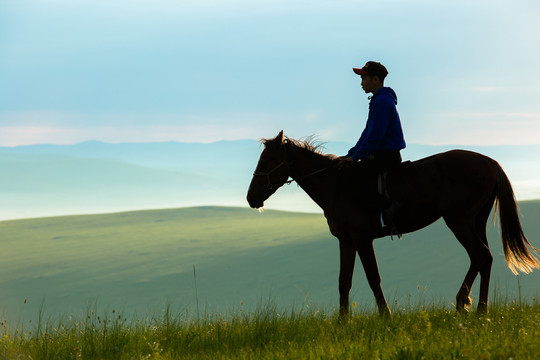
[267, 174]
[288, 182]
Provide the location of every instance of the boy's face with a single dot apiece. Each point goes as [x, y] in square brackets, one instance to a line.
[370, 83]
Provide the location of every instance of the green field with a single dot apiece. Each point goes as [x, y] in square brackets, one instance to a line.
[510, 331]
[139, 263]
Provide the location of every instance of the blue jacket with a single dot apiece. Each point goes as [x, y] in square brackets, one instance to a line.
[383, 128]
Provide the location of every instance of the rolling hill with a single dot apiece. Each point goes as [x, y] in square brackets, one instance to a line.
[138, 262]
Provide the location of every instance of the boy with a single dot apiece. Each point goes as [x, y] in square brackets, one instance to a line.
[382, 139]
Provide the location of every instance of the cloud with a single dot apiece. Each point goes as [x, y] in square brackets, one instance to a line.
[489, 89]
[27, 135]
[191, 70]
[455, 128]
[46, 127]
[480, 128]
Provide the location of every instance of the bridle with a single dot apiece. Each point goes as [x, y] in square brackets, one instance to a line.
[271, 186]
[268, 173]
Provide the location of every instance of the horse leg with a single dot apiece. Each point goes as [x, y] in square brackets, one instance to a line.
[347, 255]
[485, 273]
[464, 235]
[485, 269]
[463, 298]
[369, 261]
[480, 258]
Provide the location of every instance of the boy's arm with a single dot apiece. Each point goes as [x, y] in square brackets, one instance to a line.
[376, 127]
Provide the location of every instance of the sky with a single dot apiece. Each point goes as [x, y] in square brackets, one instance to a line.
[466, 72]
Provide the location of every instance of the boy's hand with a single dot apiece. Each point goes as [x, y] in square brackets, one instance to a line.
[345, 161]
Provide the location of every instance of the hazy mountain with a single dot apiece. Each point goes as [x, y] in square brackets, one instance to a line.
[168, 155]
[90, 177]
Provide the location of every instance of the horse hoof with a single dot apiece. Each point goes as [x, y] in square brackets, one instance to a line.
[463, 305]
[462, 310]
[482, 309]
[385, 313]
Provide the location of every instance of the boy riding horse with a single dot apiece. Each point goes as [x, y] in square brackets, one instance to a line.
[378, 148]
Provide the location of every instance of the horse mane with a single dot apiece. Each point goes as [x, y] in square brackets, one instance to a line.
[310, 143]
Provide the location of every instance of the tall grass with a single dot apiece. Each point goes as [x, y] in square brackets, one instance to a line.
[510, 330]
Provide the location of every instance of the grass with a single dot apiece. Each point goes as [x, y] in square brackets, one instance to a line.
[140, 260]
[510, 330]
[136, 260]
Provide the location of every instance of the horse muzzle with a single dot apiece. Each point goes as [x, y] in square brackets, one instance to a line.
[254, 203]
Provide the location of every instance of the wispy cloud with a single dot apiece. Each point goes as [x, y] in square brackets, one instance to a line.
[480, 128]
[27, 135]
[216, 69]
[456, 128]
[488, 89]
[25, 128]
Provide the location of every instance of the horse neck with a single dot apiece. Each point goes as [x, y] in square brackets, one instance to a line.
[315, 174]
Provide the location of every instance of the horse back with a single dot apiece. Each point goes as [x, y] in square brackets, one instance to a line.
[452, 181]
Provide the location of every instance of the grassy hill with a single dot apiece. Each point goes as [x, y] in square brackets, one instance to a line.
[142, 261]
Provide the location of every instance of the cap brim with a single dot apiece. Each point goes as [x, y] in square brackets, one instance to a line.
[360, 71]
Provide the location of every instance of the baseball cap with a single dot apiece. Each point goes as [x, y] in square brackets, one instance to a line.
[372, 68]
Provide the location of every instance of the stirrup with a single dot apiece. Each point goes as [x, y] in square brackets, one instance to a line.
[394, 231]
[392, 227]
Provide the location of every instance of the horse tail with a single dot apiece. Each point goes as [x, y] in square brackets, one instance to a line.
[515, 244]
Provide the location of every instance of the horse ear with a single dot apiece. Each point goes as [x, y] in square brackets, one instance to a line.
[280, 137]
[278, 140]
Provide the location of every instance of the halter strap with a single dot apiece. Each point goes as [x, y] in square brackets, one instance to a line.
[288, 182]
[267, 173]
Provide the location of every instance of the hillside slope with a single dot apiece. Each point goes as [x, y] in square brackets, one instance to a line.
[140, 261]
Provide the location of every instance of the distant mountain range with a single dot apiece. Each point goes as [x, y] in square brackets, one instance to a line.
[96, 177]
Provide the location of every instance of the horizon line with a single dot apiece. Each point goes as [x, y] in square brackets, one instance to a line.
[6, 146]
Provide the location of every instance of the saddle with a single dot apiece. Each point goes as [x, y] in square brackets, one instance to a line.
[397, 170]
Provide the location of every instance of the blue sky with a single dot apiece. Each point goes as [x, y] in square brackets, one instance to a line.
[466, 72]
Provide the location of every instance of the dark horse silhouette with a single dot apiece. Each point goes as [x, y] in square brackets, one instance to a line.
[459, 186]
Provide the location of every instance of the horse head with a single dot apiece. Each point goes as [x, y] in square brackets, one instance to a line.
[271, 173]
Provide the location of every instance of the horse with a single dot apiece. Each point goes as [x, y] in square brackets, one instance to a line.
[460, 186]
